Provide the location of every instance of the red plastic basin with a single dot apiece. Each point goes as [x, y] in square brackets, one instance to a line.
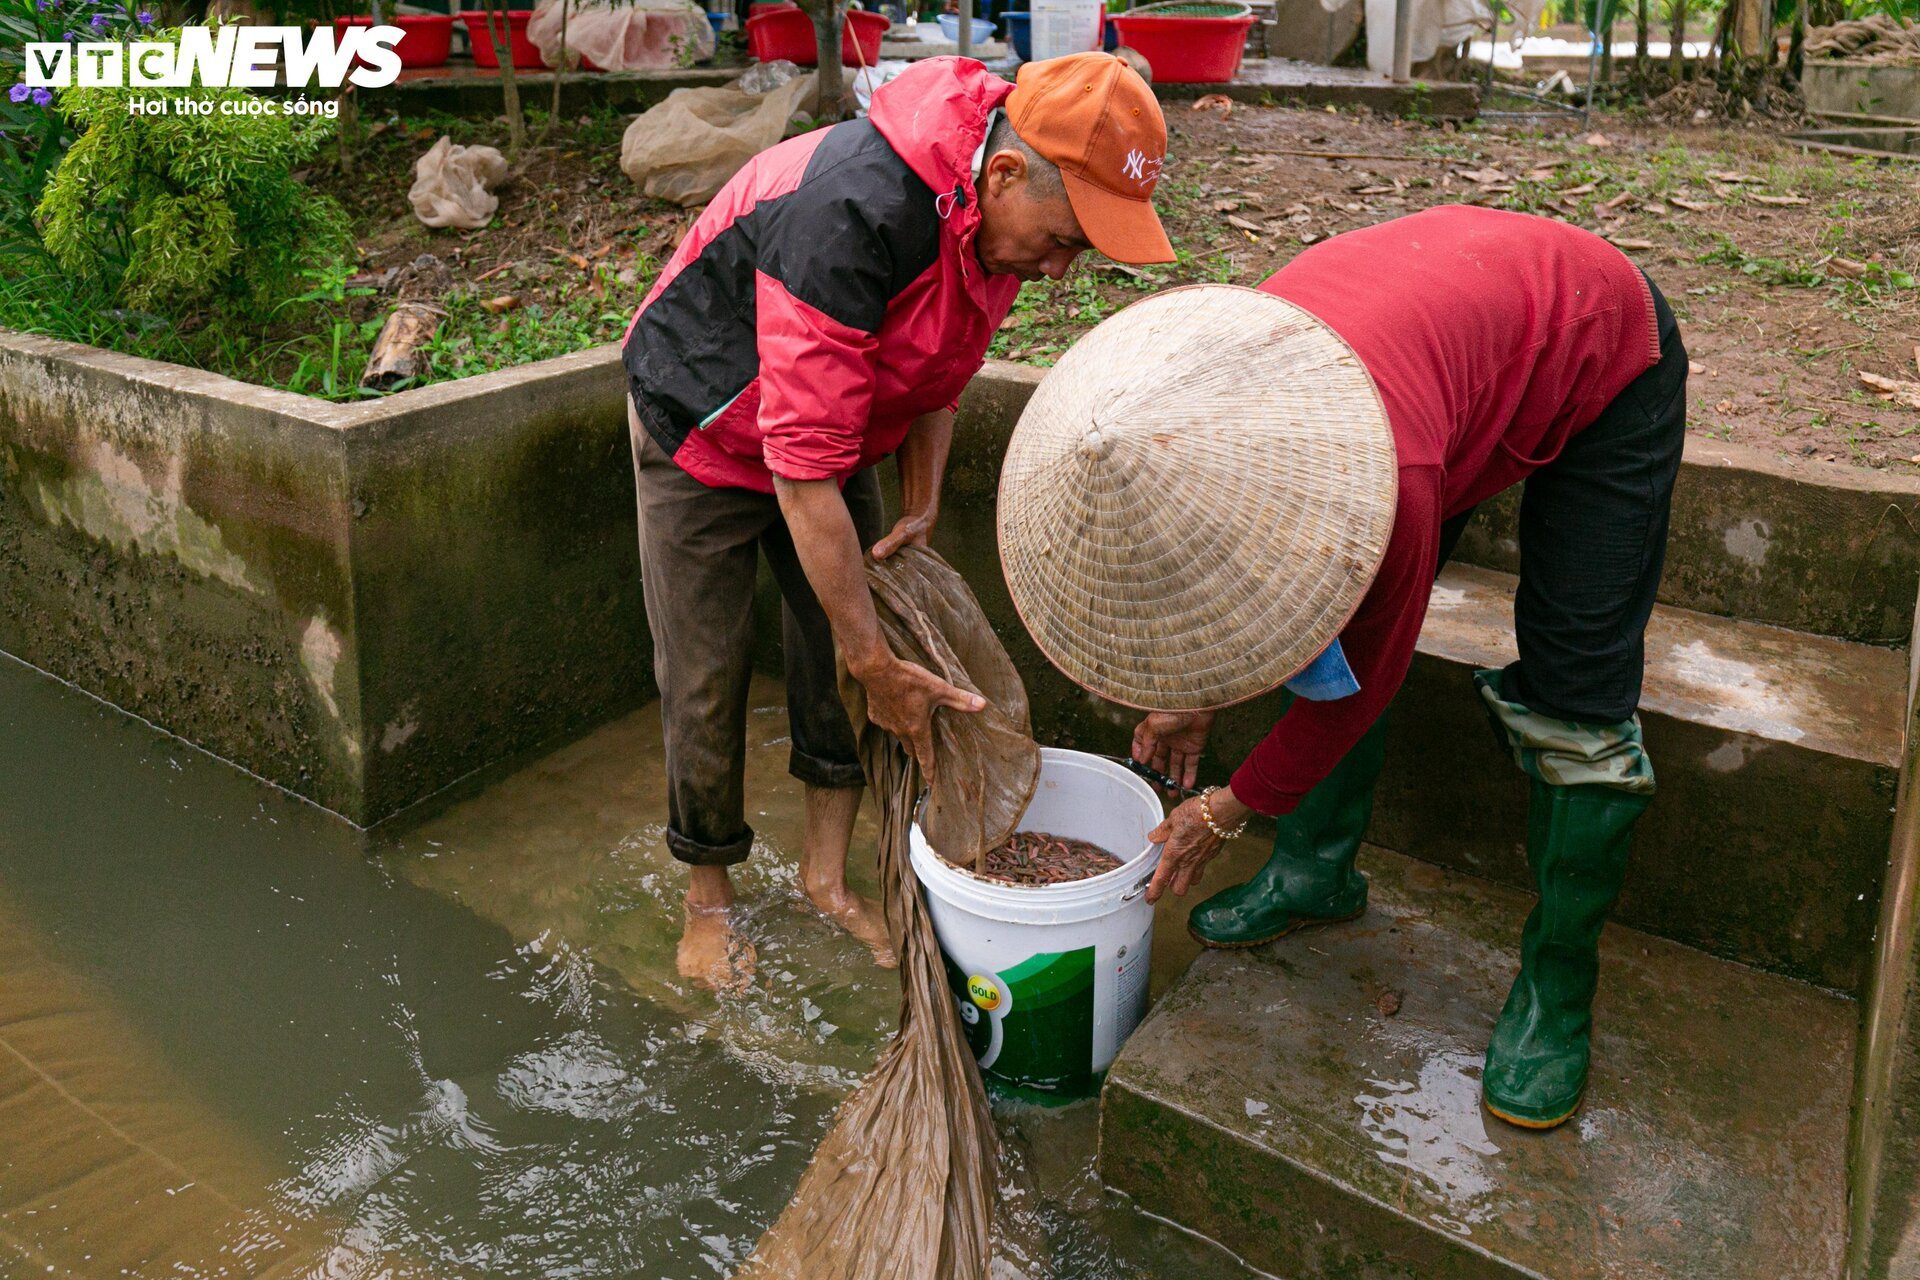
[788, 33]
[1185, 50]
[428, 38]
[524, 51]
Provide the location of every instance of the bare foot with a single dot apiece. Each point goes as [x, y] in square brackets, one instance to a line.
[713, 954]
[860, 917]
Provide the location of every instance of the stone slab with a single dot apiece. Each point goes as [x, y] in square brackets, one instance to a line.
[1776, 754]
[1267, 1103]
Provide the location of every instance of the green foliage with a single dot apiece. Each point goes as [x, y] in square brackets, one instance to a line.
[33, 135]
[188, 209]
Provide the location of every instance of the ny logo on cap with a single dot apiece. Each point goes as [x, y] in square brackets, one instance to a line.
[1139, 168]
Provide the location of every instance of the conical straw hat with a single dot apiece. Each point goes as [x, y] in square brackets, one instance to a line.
[1196, 499]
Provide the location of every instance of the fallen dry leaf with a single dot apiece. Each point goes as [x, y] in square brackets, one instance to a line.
[1724, 406]
[1695, 368]
[1308, 237]
[1721, 175]
[1597, 140]
[1696, 206]
[494, 306]
[1219, 102]
[1581, 190]
[1779, 200]
[1617, 201]
[1847, 267]
[1483, 176]
[1236, 221]
[1225, 206]
[1628, 242]
[1898, 390]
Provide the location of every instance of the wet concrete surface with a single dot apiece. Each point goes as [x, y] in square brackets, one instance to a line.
[1269, 1102]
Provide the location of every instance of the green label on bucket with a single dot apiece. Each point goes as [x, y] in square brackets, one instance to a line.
[1032, 1024]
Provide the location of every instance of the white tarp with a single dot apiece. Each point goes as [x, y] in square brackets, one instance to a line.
[1437, 25]
[631, 35]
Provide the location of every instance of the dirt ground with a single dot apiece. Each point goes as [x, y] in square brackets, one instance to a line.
[1792, 272]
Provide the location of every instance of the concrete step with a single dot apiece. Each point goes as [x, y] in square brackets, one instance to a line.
[1776, 754]
[1270, 1104]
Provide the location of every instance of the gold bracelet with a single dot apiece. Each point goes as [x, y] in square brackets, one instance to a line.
[1206, 814]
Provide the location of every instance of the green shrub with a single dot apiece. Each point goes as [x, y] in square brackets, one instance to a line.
[190, 210]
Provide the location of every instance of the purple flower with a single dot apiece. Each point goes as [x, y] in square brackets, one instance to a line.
[18, 93]
[41, 97]
[144, 18]
[99, 21]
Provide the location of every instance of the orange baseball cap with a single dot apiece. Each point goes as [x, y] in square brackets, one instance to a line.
[1094, 117]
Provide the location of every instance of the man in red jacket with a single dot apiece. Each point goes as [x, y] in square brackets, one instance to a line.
[1504, 347]
[824, 312]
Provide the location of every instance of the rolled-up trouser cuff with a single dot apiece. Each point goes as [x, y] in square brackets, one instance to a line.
[695, 854]
[1567, 753]
[816, 772]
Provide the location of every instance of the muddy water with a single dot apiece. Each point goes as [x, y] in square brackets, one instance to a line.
[237, 1038]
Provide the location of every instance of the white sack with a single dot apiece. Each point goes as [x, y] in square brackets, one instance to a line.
[452, 185]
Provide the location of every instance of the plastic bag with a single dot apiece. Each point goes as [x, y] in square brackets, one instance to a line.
[642, 35]
[902, 1187]
[685, 148]
[452, 185]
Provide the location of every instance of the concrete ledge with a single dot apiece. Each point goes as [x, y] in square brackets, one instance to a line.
[1812, 546]
[1284, 82]
[1268, 1103]
[360, 603]
[1862, 92]
[474, 92]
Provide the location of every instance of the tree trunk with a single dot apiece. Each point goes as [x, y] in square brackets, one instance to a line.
[501, 33]
[1640, 42]
[1676, 41]
[1603, 32]
[828, 18]
[559, 73]
[1796, 55]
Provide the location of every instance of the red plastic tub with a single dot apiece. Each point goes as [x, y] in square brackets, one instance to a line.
[788, 33]
[1185, 50]
[525, 53]
[428, 38]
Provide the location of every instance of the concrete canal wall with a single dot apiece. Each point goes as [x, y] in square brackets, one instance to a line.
[359, 603]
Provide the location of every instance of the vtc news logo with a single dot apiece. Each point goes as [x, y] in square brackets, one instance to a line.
[231, 56]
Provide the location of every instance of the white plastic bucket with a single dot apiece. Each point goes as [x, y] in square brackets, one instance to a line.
[1061, 27]
[1051, 980]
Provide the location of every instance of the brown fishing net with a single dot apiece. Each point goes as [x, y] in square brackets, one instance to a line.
[902, 1186]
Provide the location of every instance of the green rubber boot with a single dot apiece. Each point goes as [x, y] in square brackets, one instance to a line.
[1577, 840]
[1310, 877]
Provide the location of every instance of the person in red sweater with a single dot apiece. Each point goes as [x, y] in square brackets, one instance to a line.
[1505, 347]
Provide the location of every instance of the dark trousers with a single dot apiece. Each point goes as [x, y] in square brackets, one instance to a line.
[1593, 540]
[700, 551]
